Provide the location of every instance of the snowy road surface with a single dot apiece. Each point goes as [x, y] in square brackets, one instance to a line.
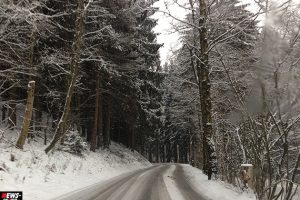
[160, 182]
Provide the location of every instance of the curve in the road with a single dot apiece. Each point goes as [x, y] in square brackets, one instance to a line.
[145, 184]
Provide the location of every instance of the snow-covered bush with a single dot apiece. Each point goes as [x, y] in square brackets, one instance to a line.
[73, 143]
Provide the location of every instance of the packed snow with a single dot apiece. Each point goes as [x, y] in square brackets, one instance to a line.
[169, 180]
[214, 189]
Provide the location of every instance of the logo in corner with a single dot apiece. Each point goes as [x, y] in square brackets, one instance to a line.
[11, 195]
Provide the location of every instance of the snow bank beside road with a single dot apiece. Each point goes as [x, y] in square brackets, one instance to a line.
[42, 176]
[214, 189]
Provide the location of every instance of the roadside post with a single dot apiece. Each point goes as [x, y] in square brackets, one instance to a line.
[247, 170]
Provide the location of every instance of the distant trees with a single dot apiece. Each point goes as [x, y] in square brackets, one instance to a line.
[181, 122]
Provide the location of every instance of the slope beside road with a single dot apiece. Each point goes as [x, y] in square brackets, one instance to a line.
[42, 176]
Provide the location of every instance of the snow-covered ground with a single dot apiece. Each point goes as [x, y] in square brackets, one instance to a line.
[214, 189]
[42, 176]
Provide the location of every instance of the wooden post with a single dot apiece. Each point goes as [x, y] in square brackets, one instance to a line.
[27, 116]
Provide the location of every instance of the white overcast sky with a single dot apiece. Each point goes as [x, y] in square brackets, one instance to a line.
[164, 27]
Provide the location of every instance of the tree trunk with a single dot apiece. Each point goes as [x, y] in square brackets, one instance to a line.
[37, 114]
[107, 126]
[4, 109]
[205, 94]
[157, 150]
[45, 131]
[165, 153]
[12, 116]
[132, 138]
[100, 117]
[119, 131]
[195, 65]
[198, 151]
[150, 155]
[193, 154]
[95, 130]
[129, 136]
[74, 66]
[177, 153]
[169, 152]
[27, 116]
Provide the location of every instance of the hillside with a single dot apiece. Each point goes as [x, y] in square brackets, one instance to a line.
[46, 176]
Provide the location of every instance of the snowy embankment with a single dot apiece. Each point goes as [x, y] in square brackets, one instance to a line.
[42, 176]
[214, 189]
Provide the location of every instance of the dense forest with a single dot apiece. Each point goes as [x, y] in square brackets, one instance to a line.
[88, 72]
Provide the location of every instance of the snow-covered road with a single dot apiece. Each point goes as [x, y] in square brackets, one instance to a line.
[160, 182]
